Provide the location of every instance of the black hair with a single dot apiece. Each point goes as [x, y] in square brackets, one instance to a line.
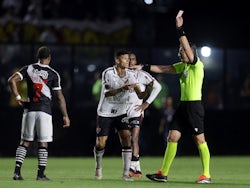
[43, 52]
[119, 53]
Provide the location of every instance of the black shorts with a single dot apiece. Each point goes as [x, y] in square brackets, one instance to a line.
[105, 123]
[135, 122]
[189, 117]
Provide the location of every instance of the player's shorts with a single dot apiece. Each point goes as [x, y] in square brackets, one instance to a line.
[37, 125]
[104, 124]
[135, 122]
[189, 116]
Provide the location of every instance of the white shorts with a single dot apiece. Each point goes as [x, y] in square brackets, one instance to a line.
[131, 112]
[37, 125]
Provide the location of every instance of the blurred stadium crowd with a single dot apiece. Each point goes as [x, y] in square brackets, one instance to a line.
[83, 35]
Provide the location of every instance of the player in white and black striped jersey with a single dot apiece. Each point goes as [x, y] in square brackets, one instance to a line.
[41, 80]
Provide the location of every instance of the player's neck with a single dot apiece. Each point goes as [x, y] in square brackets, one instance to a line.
[121, 71]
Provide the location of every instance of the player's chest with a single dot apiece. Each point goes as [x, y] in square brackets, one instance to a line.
[117, 81]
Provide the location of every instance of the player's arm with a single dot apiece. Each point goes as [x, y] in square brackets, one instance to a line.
[143, 94]
[12, 81]
[112, 92]
[169, 69]
[156, 88]
[154, 92]
[62, 105]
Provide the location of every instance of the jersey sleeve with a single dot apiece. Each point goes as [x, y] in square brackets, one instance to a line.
[155, 91]
[56, 84]
[179, 67]
[144, 78]
[23, 72]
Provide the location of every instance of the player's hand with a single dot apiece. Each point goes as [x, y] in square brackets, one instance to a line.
[66, 121]
[22, 102]
[107, 86]
[131, 86]
[142, 107]
[128, 87]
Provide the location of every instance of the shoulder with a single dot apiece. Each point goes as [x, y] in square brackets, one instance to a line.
[129, 71]
[145, 73]
[109, 70]
[199, 63]
[199, 60]
[47, 68]
[53, 70]
[23, 68]
[179, 64]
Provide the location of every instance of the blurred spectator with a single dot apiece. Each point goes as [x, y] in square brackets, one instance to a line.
[245, 92]
[32, 15]
[67, 84]
[167, 112]
[15, 35]
[52, 9]
[97, 87]
[49, 35]
[12, 32]
[8, 14]
[157, 103]
[213, 98]
[12, 7]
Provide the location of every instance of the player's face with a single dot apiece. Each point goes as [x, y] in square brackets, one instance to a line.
[132, 61]
[123, 61]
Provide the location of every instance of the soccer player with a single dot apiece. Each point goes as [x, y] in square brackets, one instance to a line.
[135, 112]
[189, 115]
[117, 82]
[37, 115]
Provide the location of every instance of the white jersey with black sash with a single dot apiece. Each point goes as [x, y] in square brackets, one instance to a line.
[41, 80]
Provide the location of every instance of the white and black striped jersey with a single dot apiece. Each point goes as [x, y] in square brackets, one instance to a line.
[41, 80]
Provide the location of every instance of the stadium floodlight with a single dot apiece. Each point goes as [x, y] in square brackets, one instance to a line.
[148, 2]
[205, 51]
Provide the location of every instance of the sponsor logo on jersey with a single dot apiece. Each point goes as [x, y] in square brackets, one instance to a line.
[44, 74]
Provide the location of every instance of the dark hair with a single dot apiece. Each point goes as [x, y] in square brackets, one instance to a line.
[118, 53]
[43, 52]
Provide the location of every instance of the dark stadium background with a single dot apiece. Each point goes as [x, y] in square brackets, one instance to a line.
[149, 30]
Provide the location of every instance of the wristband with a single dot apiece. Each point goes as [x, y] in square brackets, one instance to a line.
[146, 67]
[180, 32]
[18, 97]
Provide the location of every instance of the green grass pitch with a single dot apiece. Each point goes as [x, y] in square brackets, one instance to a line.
[70, 172]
